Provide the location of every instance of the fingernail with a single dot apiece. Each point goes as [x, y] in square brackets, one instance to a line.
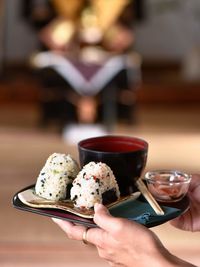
[55, 220]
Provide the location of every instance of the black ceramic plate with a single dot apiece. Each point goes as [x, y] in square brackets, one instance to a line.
[137, 210]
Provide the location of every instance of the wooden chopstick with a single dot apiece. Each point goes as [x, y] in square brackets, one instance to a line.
[148, 196]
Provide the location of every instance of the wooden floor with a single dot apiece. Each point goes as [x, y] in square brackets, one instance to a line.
[28, 240]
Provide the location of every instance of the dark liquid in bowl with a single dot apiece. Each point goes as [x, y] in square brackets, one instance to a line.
[119, 145]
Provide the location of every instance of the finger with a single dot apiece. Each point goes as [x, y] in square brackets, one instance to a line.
[195, 182]
[64, 225]
[104, 254]
[108, 256]
[181, 222]
[103, 218]
[73, 231]
[113, 264]
[97, 236]
[94, 236]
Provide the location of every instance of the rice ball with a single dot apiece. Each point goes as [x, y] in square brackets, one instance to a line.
[94, 183]
[58, 172]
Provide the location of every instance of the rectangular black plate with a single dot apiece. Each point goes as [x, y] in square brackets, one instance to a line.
[137, 210]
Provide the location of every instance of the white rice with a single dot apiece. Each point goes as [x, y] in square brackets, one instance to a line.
[58, 172]
[91, 182]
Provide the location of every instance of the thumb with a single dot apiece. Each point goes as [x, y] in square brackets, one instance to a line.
[103, 218]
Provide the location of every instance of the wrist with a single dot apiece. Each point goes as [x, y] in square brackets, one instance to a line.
[163, 258]
[171, 260]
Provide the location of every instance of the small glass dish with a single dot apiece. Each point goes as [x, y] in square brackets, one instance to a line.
[167, 185]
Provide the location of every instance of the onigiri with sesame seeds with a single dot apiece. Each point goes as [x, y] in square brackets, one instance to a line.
[57, 174]
[94, 183]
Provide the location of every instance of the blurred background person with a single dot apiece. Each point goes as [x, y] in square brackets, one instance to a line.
[85, 42]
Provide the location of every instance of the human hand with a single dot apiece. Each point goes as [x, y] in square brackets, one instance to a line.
[190, 220]
[122, 242]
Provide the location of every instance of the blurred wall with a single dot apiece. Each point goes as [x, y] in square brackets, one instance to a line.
[1, 34]
[170, 30]
[20, 39]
